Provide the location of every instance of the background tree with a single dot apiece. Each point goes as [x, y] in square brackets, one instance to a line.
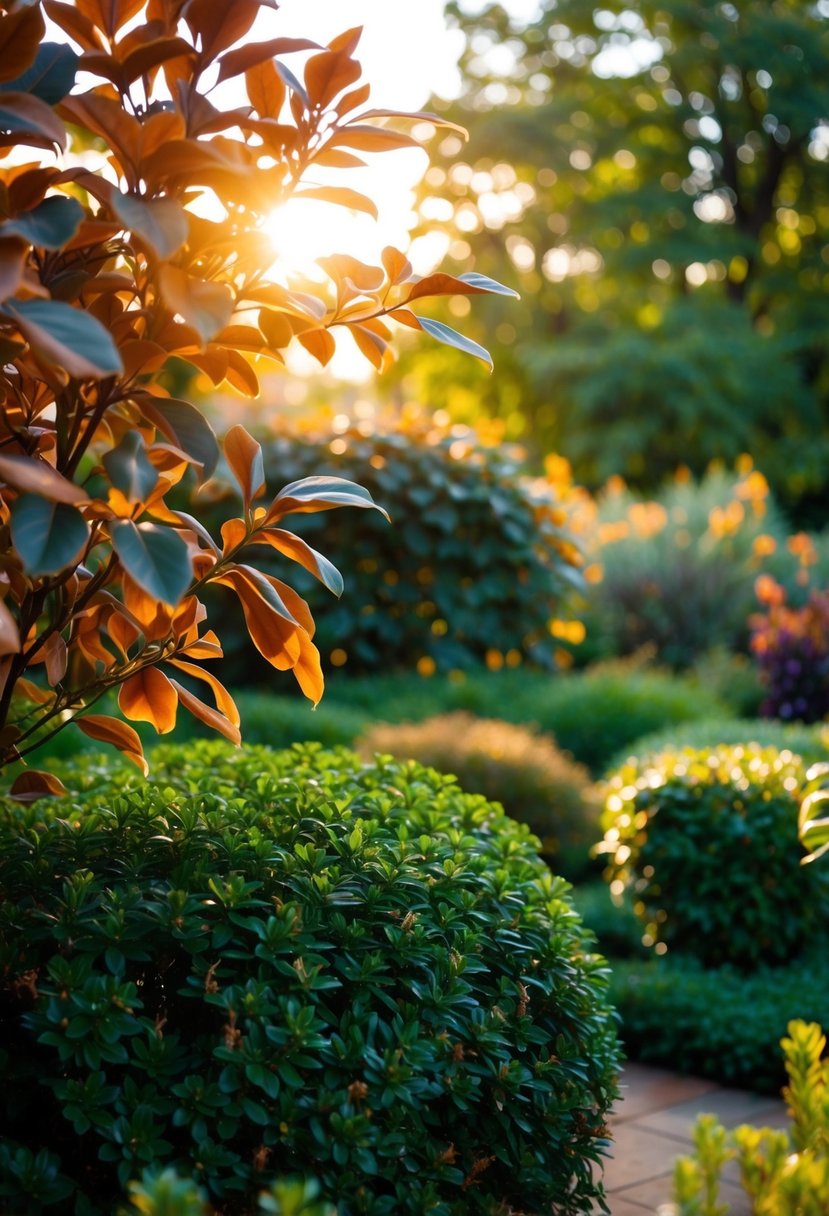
[659, 175]
[149, 247]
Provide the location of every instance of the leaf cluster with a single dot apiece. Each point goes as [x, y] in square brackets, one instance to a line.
[280, 962]
[132, 238]
[707, 843]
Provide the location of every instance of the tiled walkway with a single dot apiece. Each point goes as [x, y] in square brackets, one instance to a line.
[652, 1125]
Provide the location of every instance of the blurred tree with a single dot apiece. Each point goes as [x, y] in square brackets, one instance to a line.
[661, 173]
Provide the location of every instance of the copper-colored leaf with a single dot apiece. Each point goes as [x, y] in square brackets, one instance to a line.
[219, 25]
[244, 455]
[224, 701]
[328, 74]
[33, 784]
[241, 375]
[76, 24]
[243, 58]
[319, 343]
[149, 696]
[206, 306]
[340, 196]
[21, 32]
[37, 477]
[105, 729]
[13, 253]
[9, 633]
[211, 717]
[265, 89]
[24, 115]
[366, 138]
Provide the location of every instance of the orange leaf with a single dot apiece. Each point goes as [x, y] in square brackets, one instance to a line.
[319, 343]
[208, 307]
[104, 729]
[273, 631]
[241, 375]
[244, 455]
[32, 692]
[37, 477]
[327, 74]
[210, 717]
[308, 671]
[9, 633]
[33, 784]
[149, 696]
[224, 701]
[398, 267]
[265, 89]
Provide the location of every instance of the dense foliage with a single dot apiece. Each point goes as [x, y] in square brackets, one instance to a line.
[657, 172]
[523, 770]
[289, 962]
[717, 1022]
[475, 562]
[811, 743]
[708, 843]
[144, 245]
[782, 1170]
[791, 647]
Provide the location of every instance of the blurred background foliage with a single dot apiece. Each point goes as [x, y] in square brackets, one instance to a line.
[654, 179]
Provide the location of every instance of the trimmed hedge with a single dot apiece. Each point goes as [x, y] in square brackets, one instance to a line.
[277, 963]
[811, 743]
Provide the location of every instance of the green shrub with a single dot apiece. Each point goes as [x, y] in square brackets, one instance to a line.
[613, 922]
[474, 562]
[593, 714]
[267, 963]
[280, 721]
[733, 678]
[785, 1172]
[165, 1193]
[811, 743]
[707, 842]
[717, 1022]
[524, 771]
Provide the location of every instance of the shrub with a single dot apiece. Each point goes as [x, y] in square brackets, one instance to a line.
[471, 570]
[679, 570]
[110, 279]
[791, 648]
[717, 1022]
[524, 771]
[277, 962]
[783, 1171]
[707, 842]
[732, 678]
[613, 922]
[811, 743]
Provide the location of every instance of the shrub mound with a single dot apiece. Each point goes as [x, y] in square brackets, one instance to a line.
[524, 771]
[278, 963]
[718, 1022]
[474, 562]
[811, 743]
[707, 841]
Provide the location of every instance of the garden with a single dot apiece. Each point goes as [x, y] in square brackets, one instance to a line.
[389, 756]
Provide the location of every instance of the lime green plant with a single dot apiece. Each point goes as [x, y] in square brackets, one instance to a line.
[784, 1172]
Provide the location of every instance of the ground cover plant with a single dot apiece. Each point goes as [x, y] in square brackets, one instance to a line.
[273, 963]
[707, 843]
[108, 274]
[523, 770]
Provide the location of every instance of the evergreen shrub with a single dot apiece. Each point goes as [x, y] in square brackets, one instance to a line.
[514, 765]
[285, 963]
[707, 842]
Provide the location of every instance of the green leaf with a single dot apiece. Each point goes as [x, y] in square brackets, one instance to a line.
[156, 557]
[129, 469]
[161, 223]
[49, 536]
[320, 494]
[51, 76]
[67, 337]
[51, 224]
[451, 337]
[188, 428]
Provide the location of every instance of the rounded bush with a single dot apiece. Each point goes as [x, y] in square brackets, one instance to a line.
[514, 765]
[474, 563]
[811, 743]
[707, 841]
[287, 963]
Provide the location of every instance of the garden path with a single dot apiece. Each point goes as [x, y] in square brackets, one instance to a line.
[652, 1125]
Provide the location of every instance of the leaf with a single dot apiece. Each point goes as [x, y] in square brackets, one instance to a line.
[37, 477]
[205, 713]
[465, 285]
[129, 469]
[220, 25]
[366, 138]
[319, 494]
[224, 701]
[243, 58]
[105, 729]
[417, 116]
[148, 696]
[292, 82]
[187, 427]
[451, 337]
[22, 114]
[156, 557]
[328, 74]
[299, 551]
[160, 223]
[244, 455]
[51, 224]
[13, 255]
[319, 343]
[21, 31]
[208, 307]
[51, 76]
[48, 536]
[340, 196]
[265, 89]
[9, 633]
[67, 337]
[32, 784]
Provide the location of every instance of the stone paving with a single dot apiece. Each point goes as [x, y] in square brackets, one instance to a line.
[652, 1125]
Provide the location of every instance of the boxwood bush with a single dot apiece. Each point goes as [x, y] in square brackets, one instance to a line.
[285, 963]
[514, 765]
[718, 1022]
[475, 561]
[707, 842]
